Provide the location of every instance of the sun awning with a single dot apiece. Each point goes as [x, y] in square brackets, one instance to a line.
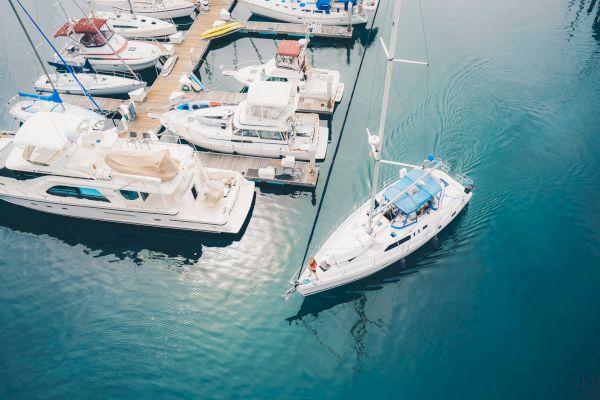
[48, 130]
[289, 48]
[156, 164]
[269, 94]
[84, 25]
[421, 192]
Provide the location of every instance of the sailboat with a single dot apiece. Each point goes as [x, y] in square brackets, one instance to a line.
[33, 103]
[96, 84]
[398, 218]
[324, 12]
[161, 9]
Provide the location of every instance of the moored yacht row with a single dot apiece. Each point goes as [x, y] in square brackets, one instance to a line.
[68, 160]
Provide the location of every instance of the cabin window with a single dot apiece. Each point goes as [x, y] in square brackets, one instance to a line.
[276, 79]
[80, 193]
[398, 243]
[129, 195]
[246, 133]
[270, 135]
[144, 195]
[194, 192]
[97, 39]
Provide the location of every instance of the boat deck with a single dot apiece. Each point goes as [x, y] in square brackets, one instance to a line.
[302, 174]
[288, 29]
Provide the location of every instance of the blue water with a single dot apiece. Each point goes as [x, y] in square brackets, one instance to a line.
[503, 304]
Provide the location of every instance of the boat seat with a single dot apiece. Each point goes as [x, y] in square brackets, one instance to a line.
[213, 193]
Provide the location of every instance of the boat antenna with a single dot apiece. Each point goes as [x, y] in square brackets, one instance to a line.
[376, 141]
[37, 55]
[69, 68]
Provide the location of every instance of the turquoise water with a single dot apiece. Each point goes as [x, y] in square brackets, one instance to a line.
[503, 304]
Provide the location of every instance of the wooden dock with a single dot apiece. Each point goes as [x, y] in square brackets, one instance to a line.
[191, 51]
[305, 105]
[288, 29]
[108, 105]
[302, 174]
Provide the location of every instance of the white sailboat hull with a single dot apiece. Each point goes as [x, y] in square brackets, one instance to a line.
[281, 11]
[132, 26]
[95, 84]
[166, 9]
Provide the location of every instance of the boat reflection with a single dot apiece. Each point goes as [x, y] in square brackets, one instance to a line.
[125, 242]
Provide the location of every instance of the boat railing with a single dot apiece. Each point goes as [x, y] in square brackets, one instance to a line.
[241, 65]
[463, 179]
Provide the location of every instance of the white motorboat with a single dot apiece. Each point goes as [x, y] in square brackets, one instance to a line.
[323, 12]
[397, 220]
[264, 125]
[95, 84]
[93, 40]
[161, 9]
[73, 166]
[290, 65]
[134, 26]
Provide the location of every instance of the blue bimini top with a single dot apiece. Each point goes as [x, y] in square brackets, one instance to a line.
[426, 187]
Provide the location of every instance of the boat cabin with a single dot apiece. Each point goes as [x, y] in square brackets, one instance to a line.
[88, 32]
[268, 103]
[291, 55]
[411, 197]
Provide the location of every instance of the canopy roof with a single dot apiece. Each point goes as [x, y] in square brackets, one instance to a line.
[49, 130]
[290, 48]
[269, 94]
[156, 164]
[84, 25]
[425, 188]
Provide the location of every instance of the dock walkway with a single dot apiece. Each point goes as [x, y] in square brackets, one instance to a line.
[190, 52]
[302, 174]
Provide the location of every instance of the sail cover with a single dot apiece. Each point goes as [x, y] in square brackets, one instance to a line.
[157, 164]
[425, 187]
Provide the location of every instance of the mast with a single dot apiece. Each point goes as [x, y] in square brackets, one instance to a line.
[37, 55]
[377, 141]
[89, 96]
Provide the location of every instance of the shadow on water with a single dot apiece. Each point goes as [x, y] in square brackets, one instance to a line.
[355, 295]
[120, 240]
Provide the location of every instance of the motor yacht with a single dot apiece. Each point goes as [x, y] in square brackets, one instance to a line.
[265, 125]
[75, 166]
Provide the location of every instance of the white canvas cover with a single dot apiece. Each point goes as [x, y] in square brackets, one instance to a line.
[49, 130]
[157, 164]
[269, 94]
